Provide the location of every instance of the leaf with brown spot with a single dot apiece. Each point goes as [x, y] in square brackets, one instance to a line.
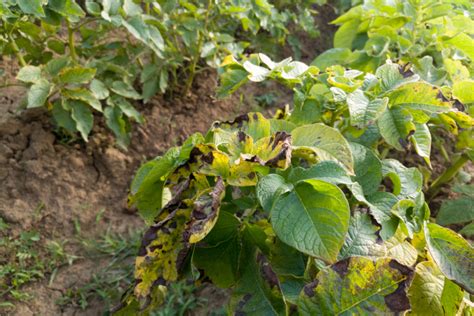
[357, 286]
[205, 213]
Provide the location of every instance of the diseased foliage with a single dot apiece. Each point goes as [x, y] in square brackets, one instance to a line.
[262, 208]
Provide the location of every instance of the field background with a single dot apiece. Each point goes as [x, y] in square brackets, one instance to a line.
[75, 195]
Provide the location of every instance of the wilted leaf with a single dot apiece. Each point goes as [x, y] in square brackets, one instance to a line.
[205, 213]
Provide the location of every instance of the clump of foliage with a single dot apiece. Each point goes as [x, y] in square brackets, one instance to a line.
[81, 61]
[435, 36]
[303, 211]
[394, 108]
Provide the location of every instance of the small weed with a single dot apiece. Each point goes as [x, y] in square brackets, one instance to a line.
[266, 99]
[180, 300]
[109, 282]
[24, 259]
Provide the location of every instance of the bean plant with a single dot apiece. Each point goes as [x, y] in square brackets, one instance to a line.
[102, 57]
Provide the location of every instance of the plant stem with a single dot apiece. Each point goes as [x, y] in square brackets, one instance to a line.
[17, 51]
[72, 47]
[446, 176]
[195, 58]
[8, 84]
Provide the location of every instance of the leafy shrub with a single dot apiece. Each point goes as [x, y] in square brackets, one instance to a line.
[80, 61]
[294, 215]
[435, 36]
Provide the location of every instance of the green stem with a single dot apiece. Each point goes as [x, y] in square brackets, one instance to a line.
[147, 8]
[17, 51]
[72, 47]
[195, 58]
[384, 152]
[6, 85]
[446, 176]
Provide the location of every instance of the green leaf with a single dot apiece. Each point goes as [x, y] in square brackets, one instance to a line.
[468, 230]
[119, 125]
[407, 182]
[63, 117]
[327, 142]
[430, 293]
[220, 260]
[76, 75]
[131, 8]
[313, 218]
[364, 111]
[67, 8]
[54, 66]
[456, 211]
[421, 139]
[396, 126]
[346, 34]
[333, 56]
[83, 95]
[83, 117]
[254, 293]
[126, 107]
[391, 77]
[453, 255]
[231, 80]
[361, 238]
[125, 90]
[328, 171]
[464, 43]
[147, 186]
[357, 286]
[367, 167]
[99, 89]
[425, 69]
[399, 248]
[294, 70]
[38, 93]
[464, 91]
[34, 7]
[29, 74]
[419, 96]
[269, 188]
[381, 204]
